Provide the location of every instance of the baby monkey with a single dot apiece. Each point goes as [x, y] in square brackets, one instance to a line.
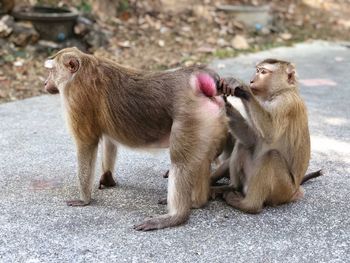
[272, 149]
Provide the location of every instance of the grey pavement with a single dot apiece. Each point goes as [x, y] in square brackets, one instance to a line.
[37, 173]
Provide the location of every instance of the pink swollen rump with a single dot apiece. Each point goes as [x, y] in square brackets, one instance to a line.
[206, 84]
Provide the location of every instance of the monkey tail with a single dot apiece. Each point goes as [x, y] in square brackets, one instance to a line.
[312, 175]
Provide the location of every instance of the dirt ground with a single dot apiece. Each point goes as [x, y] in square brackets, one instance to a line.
[152, 40]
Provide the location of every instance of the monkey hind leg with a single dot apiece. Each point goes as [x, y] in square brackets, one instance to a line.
[109, 152]
[260, 184]
[179, 201]
[282, 182]
[200, 189]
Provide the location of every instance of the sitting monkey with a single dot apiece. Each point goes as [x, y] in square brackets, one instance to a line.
[272, 149]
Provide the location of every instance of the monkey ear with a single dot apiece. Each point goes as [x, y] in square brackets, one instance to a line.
[291, 74]
[72, 64]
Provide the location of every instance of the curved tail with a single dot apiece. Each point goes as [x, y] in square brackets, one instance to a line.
[312, 175]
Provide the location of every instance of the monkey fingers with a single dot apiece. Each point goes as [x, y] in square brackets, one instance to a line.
[230, 84]
[220, 85]
[76, 203]
[160, 222]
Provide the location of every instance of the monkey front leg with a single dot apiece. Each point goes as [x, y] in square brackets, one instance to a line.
[86, 167]
[261, 118]
[239, 127]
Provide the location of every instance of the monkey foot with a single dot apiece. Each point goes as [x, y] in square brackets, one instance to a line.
[76, 203]
[107, 180]
[232, 196]
[160, 222]
[219, 191]
[163, 201]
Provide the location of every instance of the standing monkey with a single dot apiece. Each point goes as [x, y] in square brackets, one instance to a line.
[178, 109]
[272, 151]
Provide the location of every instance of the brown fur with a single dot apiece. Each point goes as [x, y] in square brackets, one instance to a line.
[272, 151]
[104, 100]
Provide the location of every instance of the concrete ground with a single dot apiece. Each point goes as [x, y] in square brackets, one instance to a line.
[37, 173]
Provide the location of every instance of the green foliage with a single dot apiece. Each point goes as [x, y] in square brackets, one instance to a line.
[224, 53]
[123, 6]
[84, 7]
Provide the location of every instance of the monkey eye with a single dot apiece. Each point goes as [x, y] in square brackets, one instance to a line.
[263, 71]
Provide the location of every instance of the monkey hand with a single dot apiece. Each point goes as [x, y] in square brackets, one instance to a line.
[228, 85]
[242, 92]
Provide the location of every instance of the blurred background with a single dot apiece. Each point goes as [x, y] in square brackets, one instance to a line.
[154, 34]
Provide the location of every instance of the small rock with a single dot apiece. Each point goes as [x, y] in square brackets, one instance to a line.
[186, 29]
[189, 63]
[124, 44]
[238, 25]
[206, 49]
[221, 42]
[202, 11]
[240, 42]
[286, 36]
[18, 63]
[6, 26]
[48, 44]
[161, 43]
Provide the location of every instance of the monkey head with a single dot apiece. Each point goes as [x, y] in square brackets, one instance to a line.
[270, 73]
[62, 68]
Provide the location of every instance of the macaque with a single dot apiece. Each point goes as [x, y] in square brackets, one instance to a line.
[104, 101]
[272, 149]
